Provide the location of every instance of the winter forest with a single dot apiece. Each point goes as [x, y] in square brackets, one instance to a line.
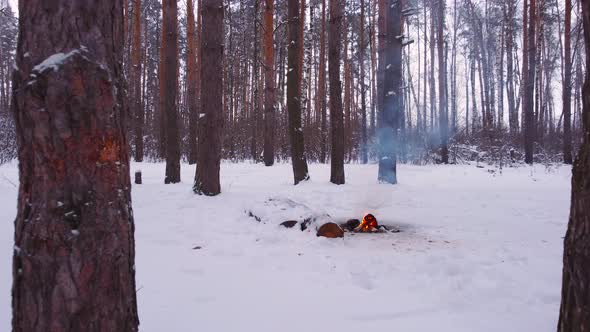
[322, 165]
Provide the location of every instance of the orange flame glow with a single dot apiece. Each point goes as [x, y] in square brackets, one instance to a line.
[368, 224]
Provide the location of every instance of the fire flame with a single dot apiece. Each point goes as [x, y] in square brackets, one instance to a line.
[368, 224]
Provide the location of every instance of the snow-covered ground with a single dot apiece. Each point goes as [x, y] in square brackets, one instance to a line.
[477, 252]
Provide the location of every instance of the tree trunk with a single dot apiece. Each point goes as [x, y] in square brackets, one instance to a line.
[73, 263]
[211, 124]
[442, 83]
[512, 110]
[336, 120]
[500, 81]
[192, 82]
[269, 78]
[425, 73]
[529, 114]
[255, 84]
[392, 94]
[171, 91]
[454, 71]
[162, 86]
[473, 99]
[567, 86]
[362, 50]
[373, 38]
[300, 172]
[432, 76]
[348, 82]
[136, 80]
[321, 94]
[574, 314]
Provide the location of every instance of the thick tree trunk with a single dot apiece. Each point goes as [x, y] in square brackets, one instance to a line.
[73, 263]
[211, 124]
[336, 120]
[171, 91]
[300, 172]
[567, 86]
[269, 78]
[392, 94]
[136, 81]
[192, 82]
[574, 314]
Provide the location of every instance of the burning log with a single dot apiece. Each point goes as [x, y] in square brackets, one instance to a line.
[368, 225]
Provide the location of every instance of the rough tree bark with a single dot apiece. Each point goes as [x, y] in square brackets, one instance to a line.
[300, 171]
[136, 81]
[171, 91]
[392, 94]
[574, 314]
[192, 82]
[269, 89]
[336, 114]
[211, 124]
[73, 263]
[567, 86]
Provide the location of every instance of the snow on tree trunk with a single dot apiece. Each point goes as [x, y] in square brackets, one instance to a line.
[73, 263]
[392, 94]
[300, 172]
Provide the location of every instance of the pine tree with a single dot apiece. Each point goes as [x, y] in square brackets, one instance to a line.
[170, 89]
[136, 81]
[269, 78]
[298, 160]
[336, 119]
[74, 259]
[574, 315]
[392, 93]
[211, 124]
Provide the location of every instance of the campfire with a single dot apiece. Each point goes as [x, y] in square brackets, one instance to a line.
[367, 225]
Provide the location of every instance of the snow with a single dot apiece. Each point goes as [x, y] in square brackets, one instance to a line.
[478, 250]
[54, 61]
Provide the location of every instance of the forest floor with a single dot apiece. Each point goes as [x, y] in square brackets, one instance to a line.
[477, 251]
